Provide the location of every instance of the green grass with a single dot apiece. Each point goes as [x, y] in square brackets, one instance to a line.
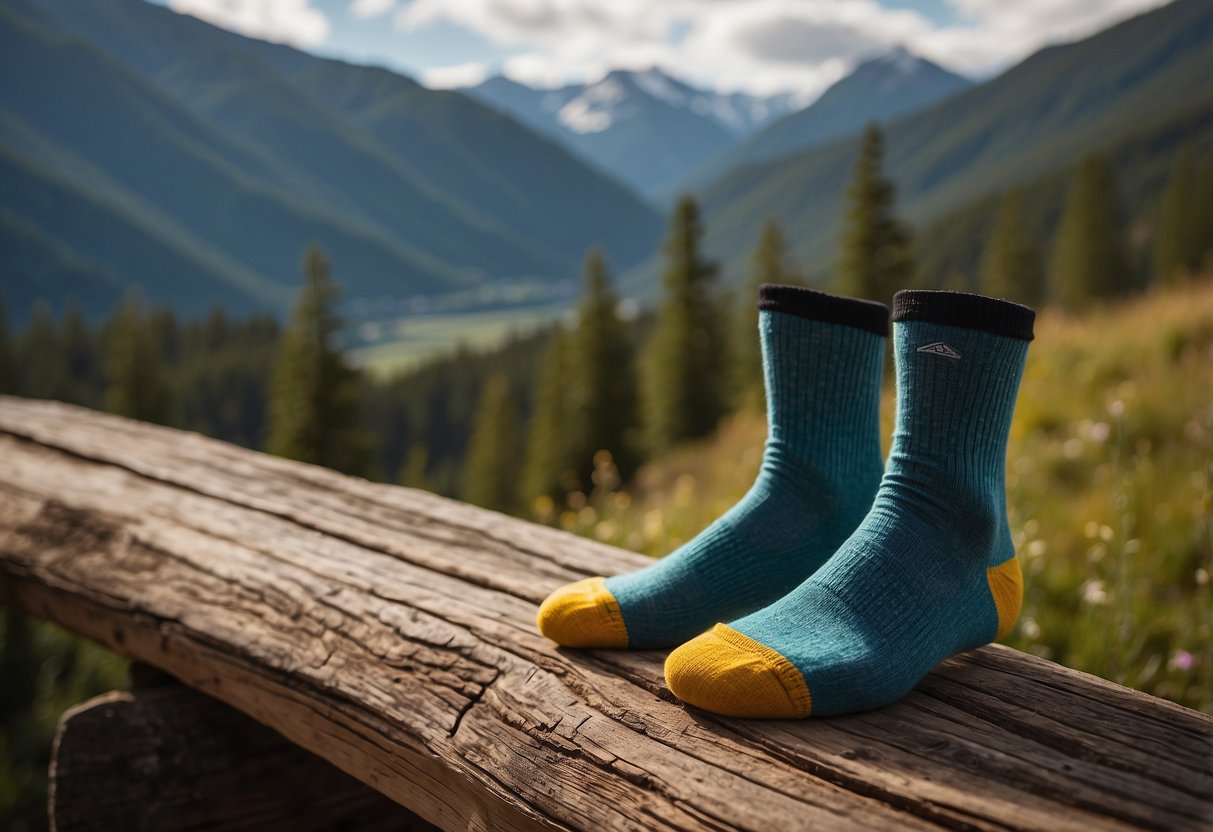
[1110, 490]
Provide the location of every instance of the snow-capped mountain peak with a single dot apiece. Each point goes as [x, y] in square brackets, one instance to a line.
[643, 125]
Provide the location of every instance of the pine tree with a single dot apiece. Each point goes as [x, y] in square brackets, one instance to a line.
[1202, 217]
[81, 353]
[413, 470]
[876, 260]
[549, 470]
[8, 359]
[1090, 259]
[1011, 265]
[685, 369]
[137, 380]
[602, 378]
[41, 365]
[313, 408]
[490, 472]
[1177, 247]
[769, 265]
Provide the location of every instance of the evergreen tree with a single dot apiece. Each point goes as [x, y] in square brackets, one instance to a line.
[1090, 259]
[42, 368]
[137, 380]
[82, 354]
[8, 359]
[413, 471]
[1177, 247]
[1202, 217]
[602, 381]
[769, 265]
[490, 473]
[876, 260]
[549, 469]
[684, 371]
[1011, 265]
[313, 410]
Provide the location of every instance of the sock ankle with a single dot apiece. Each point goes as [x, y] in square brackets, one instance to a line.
[930, 571]
[822, 360]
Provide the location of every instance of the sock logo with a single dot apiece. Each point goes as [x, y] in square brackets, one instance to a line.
[940, 348]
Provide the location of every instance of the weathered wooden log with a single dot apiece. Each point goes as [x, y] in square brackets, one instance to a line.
[168, 758]
[391, 632]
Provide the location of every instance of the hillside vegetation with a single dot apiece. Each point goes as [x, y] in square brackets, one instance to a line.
[1110, 486]
[1035, 121]
[211, 160]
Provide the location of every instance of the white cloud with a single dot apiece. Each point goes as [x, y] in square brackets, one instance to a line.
[295, 22]
[758, 45]
[996, 33]
[754, 45]
[371, 8]
[453, 76]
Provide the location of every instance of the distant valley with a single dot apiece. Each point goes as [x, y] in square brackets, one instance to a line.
[141, 148]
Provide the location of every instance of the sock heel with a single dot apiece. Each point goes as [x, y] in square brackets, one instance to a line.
[1006, 587]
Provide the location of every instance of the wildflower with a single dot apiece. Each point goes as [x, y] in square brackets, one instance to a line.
[1094, 592]
[1182, 660]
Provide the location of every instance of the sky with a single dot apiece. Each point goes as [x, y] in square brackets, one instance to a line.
[758, 46]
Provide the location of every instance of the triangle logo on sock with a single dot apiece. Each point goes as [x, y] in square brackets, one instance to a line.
[940, 348]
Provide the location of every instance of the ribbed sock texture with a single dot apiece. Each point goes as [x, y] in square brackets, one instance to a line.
[917, 580]
[822, 360]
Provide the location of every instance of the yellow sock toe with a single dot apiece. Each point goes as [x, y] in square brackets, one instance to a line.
[729, 673]
[583, 614]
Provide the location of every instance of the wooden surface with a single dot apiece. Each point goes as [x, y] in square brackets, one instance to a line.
[170, 759]
[392, 632]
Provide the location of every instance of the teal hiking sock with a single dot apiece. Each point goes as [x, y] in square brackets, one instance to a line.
[930, 571]
[822, 359]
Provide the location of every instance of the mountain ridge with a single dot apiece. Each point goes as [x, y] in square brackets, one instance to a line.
[1038, 117]
[645, 127]
[880, 89]
[244, 148]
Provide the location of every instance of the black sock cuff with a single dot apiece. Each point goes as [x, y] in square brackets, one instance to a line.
[867, 315]
[1000, 317]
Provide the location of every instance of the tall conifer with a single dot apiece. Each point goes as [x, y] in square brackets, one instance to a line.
[768, 265]
[602, 381]
[137, 380]
[876, 261]
[685, 375]
[1011, 265]
[1202, 217]
[81, 352]
[490, 476]
[41, 368]
[1177, 247]
[413, 472]
[313, 407]
[8, 359]
[1090, 259]
[549, 470]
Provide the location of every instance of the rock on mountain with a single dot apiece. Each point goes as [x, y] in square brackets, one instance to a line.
[879, 89]
[645, 128]
[143, 147]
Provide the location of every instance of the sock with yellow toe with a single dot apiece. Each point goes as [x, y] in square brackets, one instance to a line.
[931, 570]
[822, 358]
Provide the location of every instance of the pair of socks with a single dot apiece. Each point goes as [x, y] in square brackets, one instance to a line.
[843, 581]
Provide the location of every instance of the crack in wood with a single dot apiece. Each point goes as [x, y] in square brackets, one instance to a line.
[392, 676]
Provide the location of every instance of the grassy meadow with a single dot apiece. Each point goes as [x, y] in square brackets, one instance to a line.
[1110, 486]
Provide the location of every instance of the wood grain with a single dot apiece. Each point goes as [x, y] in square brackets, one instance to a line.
[169, 759]
[391, 632]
